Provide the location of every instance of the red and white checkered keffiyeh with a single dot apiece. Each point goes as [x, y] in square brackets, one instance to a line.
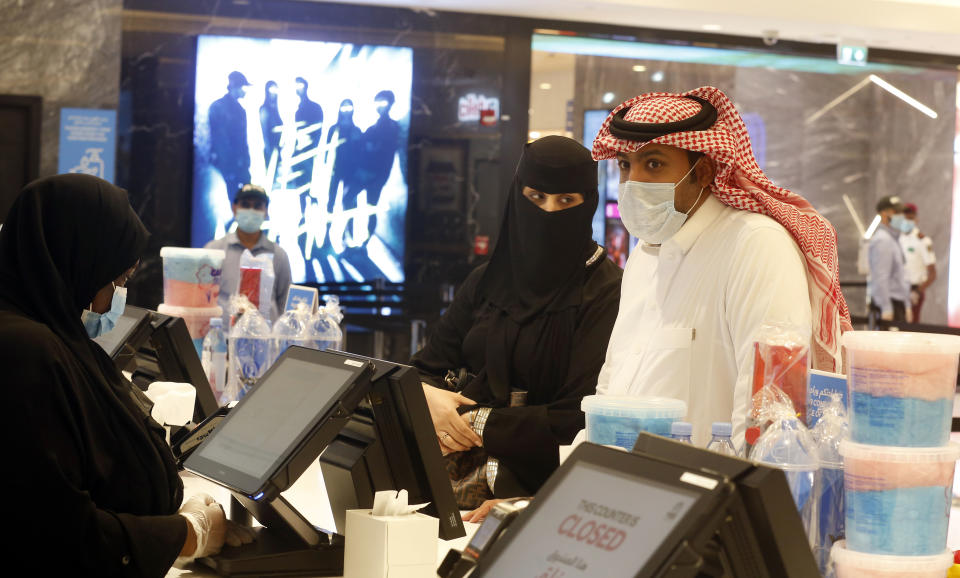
[741, 184]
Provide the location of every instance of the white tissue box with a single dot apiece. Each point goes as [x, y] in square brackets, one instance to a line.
[390, 546]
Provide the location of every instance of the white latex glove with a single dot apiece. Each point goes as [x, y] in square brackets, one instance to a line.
[209, 524]
[238, 535]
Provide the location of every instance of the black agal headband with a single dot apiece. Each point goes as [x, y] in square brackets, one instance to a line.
[647, 131]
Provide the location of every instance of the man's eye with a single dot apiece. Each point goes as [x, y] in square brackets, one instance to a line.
[654, 164]
[624, 165]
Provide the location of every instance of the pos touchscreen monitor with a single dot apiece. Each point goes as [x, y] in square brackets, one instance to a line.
[390, 444]
[270, 438]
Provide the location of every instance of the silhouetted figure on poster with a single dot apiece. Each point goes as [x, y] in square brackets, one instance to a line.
[271, 124]
[380, 144]
[229, 152]
[309, 119]
[347, 139]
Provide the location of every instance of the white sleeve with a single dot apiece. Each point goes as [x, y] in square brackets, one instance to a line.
[929, 257]
[768, 284]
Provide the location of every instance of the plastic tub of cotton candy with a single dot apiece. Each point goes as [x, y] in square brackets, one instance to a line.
[851, 564]
[902, 386]
[897, 498]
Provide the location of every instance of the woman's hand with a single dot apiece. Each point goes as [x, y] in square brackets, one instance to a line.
[453, 432]
[478, 515]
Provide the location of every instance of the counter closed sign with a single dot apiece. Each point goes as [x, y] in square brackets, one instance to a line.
[597, 522]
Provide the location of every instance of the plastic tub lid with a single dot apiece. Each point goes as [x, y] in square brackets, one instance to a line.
[191, 253]
[634, 406]
[177, 311]
[935, 564]
[902, 342]
[911, 455]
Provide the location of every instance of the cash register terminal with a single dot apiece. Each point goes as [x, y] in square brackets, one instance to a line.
[649, 514]
[369, 420]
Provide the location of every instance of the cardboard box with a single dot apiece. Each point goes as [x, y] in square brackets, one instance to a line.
[390, 546]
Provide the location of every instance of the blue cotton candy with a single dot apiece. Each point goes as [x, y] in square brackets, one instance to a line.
[902, 521]
[900, 421]
[623, 431]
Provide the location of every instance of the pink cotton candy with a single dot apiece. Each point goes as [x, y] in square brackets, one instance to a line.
[928, 376]
[184, 294]
[877, 475]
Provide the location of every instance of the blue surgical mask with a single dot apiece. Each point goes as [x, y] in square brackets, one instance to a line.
[647, 210]
[250, 220]
[97, 324]
[907, 226]
[896, 222]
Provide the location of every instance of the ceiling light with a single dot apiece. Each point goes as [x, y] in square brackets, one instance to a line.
[534, 135]
[657, 76]
[639, 68]
[545, 86]
[608, 97]
[903, 96]
[712, 27]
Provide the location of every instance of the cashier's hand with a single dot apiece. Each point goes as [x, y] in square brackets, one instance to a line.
[909, 315]
[206, 526]
[887, 316]
[453, 433]
[478, 515]
[238, 535]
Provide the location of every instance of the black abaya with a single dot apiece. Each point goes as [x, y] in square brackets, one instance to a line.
[91, 485]
[537, 318]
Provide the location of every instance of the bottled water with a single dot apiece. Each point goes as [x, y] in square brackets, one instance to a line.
[682, 431]
[291, 328]
[249, 349]
[214, 356]
[325, 331]
[722, 442]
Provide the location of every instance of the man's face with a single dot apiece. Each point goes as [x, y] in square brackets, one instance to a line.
[910, 216]
[383, 107]
[250, 203]
[301, 89]
[658, 163]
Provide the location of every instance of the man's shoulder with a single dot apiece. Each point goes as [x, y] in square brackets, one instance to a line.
[222, 243]
[746, 226]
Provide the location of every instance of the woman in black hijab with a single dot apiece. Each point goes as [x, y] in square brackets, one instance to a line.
[525, 337]
[91, 484]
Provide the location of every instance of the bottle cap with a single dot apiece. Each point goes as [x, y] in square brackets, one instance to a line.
[722, 429]
[681, 428]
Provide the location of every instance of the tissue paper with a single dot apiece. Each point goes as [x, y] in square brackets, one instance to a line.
[391, 503]
[172, 402]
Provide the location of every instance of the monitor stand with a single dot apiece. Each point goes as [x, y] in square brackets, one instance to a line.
[287, 545]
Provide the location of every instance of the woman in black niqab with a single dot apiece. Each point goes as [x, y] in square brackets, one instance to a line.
[91, 485]
[533, 323]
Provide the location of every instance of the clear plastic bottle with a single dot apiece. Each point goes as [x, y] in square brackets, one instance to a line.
[682, 431]
[829, 525]
[291, 328]
[325, 331]
[249, 348]
[214, 356]
[722, 443]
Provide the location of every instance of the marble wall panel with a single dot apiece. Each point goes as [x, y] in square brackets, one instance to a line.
[66, 51]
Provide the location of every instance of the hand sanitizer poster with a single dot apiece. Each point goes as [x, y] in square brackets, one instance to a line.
[88, 142]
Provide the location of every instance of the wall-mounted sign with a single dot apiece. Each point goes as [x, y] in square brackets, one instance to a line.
[88, 142]
[478, 108]
[852, 54]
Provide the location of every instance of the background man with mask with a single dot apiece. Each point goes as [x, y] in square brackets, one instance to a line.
[250, 211]
[723, 251]
[921, 261]
[887, 286]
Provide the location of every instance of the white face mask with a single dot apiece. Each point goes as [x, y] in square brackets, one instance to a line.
[647, 210]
